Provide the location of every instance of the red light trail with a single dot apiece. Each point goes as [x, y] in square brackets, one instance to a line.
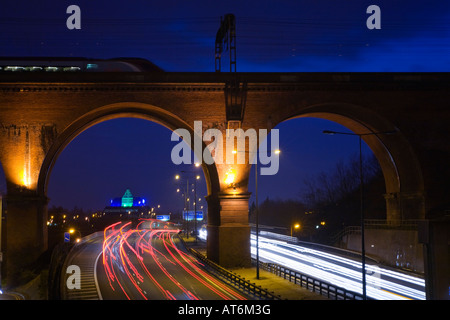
[148, 258]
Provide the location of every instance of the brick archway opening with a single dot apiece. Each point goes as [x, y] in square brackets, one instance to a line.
[115, 111]
[110, 112]
[399, 164]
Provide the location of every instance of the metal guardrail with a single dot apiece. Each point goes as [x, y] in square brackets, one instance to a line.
[409, 224]
[224, 274]
[377, 224]
[56, 267]
[310, 283]
[235, 279]
[318, 286]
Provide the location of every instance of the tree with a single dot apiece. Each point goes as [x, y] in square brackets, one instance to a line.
[334, 197]
[331, 187]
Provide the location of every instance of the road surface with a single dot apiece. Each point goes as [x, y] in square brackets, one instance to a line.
[145, 262]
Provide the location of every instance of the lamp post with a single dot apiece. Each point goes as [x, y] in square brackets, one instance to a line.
[361, 187]
[295, 226]
[186, 204]
[277, 151]
[195, 206]
[197, 177]
[1, 254]
[257, 218]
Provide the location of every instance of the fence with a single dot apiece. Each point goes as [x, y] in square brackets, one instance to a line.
[377, 224]
[315, 285]
[59, 255]
[236, 280]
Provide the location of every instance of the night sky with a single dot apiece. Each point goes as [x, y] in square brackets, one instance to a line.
[179, 36]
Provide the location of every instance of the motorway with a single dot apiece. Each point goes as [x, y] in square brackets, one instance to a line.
[147, 262]
[381, 283]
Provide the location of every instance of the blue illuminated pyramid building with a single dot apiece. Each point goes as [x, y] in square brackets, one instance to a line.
[127, 206]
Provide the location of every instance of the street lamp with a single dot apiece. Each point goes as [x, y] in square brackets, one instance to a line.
[361, 187]
[77, 232]
[1, 253]
[197, 177]
[186, 203]
[295, 226]
[277, 151]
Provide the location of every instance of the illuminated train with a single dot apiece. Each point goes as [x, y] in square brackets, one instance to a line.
[45, 64]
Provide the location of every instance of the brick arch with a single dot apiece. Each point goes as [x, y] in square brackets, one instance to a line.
[398, 161]
[114, 111]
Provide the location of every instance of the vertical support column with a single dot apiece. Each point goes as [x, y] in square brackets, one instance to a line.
[435, 237]
[24, 147]
[393, 212]
[404, 206]
[26, 234]
[229, 232]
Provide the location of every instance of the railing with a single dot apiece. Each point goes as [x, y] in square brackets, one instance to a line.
[310, 283]
[408, 224]
[58, 257]
[377, 224]
[244, 285]
[236, 280]
[315, 285]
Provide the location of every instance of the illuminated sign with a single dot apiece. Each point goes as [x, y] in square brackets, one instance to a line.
[189, 215]
[163, 217]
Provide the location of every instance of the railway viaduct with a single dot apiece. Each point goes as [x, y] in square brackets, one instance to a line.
[41, 113]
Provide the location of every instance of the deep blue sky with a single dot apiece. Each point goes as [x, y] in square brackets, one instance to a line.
[132, 153]
[287, 36]
[297, 35]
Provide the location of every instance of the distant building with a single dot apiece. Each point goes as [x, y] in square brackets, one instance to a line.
[127, 205]
[128, 200]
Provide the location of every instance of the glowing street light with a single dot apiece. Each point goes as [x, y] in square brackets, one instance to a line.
[73, 231]
[295, 226]
[186, 199]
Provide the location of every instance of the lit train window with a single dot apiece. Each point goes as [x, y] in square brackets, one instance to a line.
[92, 66]
[14, 68]
[51, 69]
[33, 68]
[71, 69]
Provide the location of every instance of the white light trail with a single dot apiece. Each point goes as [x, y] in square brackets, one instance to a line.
[381, 283]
